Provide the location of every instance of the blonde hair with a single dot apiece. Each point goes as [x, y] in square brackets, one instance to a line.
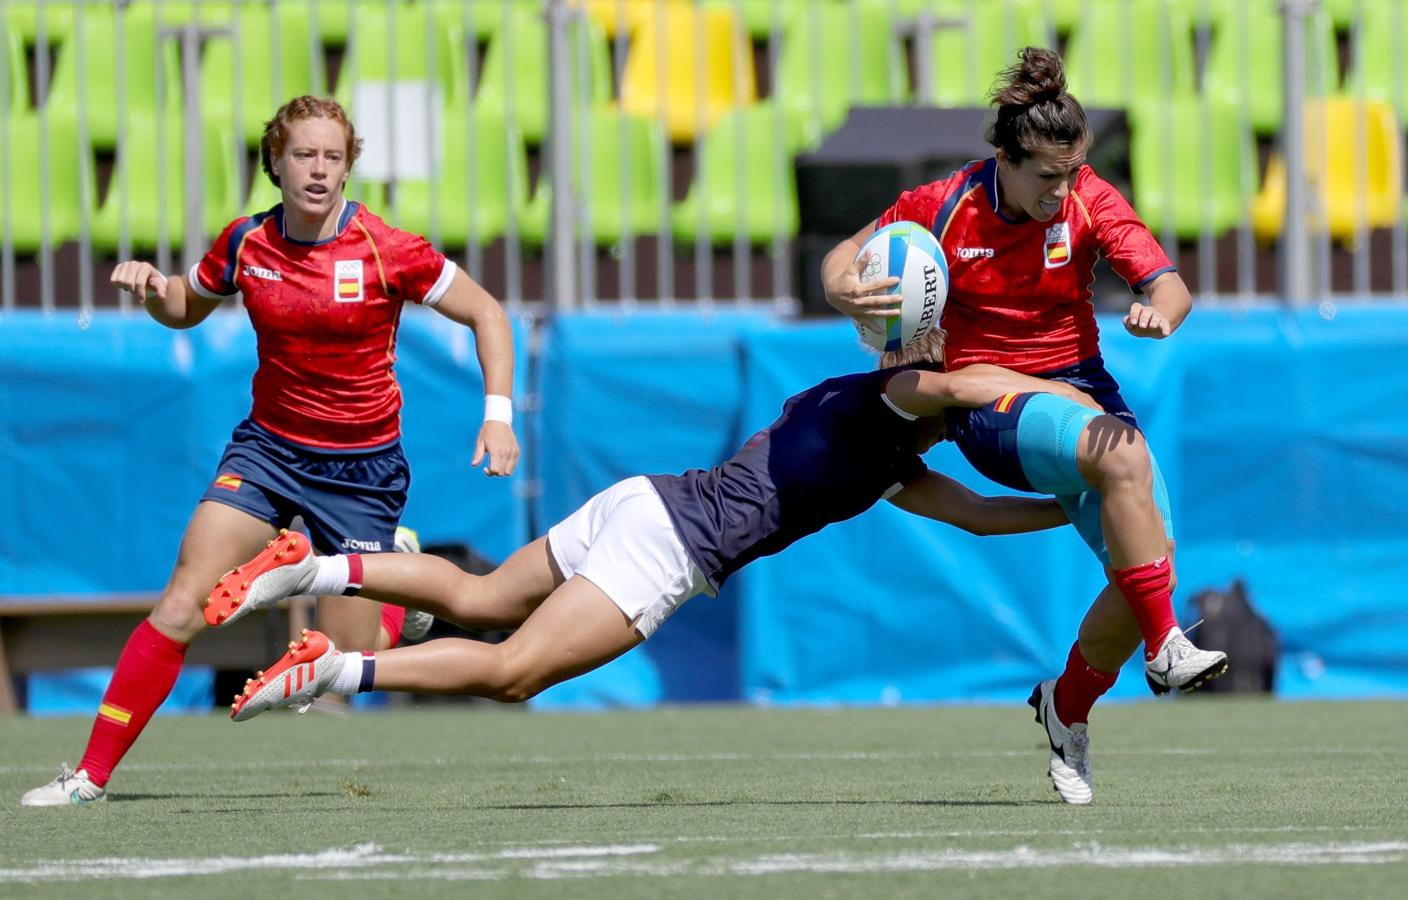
[276, 129]
[928, 350]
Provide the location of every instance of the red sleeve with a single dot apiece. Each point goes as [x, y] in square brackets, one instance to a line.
[919, 206]
[214, 276]
[1123, 238]
[923, 204]
[421, 273]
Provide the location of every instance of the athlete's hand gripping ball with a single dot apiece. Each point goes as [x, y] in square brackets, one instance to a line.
[1145, 321]
[497, 441]
[861, 299]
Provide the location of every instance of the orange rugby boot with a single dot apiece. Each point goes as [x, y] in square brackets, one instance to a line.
[284, 568]
[301, 675]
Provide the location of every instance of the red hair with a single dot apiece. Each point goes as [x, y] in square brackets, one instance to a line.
[306, 107]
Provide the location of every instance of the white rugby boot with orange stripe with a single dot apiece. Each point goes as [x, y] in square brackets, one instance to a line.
[301, 675]
[284, 568]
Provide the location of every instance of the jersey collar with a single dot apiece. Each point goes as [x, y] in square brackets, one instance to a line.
[344, 218]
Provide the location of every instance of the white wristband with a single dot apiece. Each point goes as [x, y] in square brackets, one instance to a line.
[498, 408]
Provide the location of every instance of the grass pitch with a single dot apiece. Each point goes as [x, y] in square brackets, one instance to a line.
[1200, 797]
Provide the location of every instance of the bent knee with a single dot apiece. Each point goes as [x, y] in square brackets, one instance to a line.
[516, 678]
[178, 613]
[1123, 455]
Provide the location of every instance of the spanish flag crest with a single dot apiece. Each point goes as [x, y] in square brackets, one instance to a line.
[229, 482]
[1058, 245]
[347, 281]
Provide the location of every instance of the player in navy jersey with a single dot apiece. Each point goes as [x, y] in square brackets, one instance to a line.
[1021, 232]
[324, 282]
[607, 576]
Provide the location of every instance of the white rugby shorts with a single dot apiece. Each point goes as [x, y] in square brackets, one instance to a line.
[623, 542]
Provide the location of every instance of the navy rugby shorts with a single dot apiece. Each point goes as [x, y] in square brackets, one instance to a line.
[350, 501]
[1028, 443]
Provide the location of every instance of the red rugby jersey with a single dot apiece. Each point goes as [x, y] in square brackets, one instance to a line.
[1019, 291]
[325, 315]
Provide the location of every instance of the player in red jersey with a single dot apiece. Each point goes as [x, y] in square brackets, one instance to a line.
[1021, 231]
[324, 281]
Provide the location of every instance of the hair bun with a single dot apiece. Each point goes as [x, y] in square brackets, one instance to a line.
[1037, 77]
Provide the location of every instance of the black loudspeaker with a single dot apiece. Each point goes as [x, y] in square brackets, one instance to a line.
[862, 167]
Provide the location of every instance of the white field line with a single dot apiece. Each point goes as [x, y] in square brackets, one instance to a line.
[367, 862]
[816, 756]
[339, 859]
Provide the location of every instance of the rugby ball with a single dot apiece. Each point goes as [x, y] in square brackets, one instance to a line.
[912, 254]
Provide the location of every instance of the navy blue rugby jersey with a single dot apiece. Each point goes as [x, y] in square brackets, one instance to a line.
[836, 449]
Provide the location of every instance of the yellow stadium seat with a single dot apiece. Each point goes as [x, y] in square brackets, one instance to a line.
[620, 15]
[687, 66]
[1355, 170]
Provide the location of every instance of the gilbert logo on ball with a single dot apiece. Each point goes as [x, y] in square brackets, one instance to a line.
[911, 253]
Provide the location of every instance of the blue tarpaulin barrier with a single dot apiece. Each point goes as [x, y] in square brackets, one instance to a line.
[1282, 436]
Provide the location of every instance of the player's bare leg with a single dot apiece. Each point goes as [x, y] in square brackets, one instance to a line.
[503, 599]
[500, 600]
[1114, 458]
[576, 629]
[217, 538]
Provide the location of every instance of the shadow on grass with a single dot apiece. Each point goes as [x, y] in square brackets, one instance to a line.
[708, 803]
[222, 795]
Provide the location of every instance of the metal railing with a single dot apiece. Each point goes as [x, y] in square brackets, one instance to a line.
[601, 152]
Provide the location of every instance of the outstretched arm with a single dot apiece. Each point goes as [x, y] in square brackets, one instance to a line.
[942, 499]
[168, 299]
[923, 393]
[469, 304]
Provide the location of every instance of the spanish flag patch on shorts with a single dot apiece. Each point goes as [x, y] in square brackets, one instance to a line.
[229, 482]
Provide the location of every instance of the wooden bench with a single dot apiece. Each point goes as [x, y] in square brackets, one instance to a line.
[40, 633]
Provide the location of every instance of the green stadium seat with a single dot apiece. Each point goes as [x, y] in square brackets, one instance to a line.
[834, 57]
[273, 58]
[481, 182]
[1124, 53]
[146, 203]
[966, 60]
[1244, 62]
[759, 17]
[623, 189]
[67, 158]
[1380, 68]
[483, 19]
[90, 57]
[514, 83]
[24, 18]
[198, 12]
[1064, 14]
[405, 43]
[745, 183]
[14, 77]
[1343, 12]
[1193, 163]
[335, 19]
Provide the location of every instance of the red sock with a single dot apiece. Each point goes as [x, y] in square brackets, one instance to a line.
[392, 618]
[1079, 687]
[145, 672]
[1146, 590]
